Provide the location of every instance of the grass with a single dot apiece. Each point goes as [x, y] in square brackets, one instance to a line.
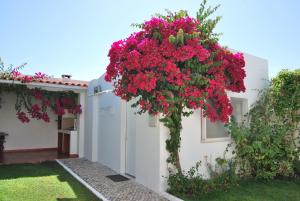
[47, 181]
[277, 190]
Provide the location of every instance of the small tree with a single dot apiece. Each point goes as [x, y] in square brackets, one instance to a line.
[174, 65]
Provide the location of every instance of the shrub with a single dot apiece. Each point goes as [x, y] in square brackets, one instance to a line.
[263, 151]
[223, 173]
[191, 183]
[265, 143]
[297, 167]
[285, 93]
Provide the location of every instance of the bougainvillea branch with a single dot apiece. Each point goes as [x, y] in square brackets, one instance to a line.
[173, 64]
[36, 103]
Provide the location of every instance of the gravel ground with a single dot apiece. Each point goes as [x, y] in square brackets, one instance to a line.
[95, 175]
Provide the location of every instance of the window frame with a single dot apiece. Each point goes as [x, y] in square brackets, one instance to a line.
[220, 139]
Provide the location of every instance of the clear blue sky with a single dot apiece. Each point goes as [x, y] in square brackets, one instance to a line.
[74, 36]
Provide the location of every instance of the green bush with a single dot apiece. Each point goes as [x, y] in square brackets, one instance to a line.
[297, 167]
[263, 151]
[192, 183]
[285, 93]
[265, 143]
[223, 173]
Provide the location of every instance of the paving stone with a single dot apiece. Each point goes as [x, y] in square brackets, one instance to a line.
[95, 175]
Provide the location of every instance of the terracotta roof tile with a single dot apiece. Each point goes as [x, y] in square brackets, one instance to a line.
[61, 81]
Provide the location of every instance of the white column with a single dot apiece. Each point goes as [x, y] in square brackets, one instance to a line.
[123, 133]
[81, 128]
[95, 116]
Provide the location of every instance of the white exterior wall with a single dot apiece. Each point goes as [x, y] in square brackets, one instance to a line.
[105, 129]
[33, 135]
[88, 138]
[193, 148]
[80, 144]
[147, 153]
[110, 131]
[152, 168]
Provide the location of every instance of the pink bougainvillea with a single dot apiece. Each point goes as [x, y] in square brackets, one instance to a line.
[23, 117]
[59, 103]
[36, 103]
[170, 62]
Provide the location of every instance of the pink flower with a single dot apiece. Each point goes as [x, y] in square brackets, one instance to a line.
[45, 117]
[23, 117]
[46, 102]
[37, 94]
[164, 67]
[15, 73]
[26, 79]
[39, 75]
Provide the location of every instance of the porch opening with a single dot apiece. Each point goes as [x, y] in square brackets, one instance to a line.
[39, 139]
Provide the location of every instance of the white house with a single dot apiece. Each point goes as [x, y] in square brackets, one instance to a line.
[109, 132]
[135, 144]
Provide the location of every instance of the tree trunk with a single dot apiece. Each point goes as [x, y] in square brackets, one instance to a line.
[178, 165]
[173, 122]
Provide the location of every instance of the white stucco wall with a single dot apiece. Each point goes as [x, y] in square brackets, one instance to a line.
[147, 153]
[81, 125]
[105, 126]
[151, 166]
[193, 148]
[33, 135]
[109, 131]
[88, 128]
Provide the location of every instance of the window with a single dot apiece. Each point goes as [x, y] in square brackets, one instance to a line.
[97, 89]
[239, 108]
[152, 120]
[216, 131]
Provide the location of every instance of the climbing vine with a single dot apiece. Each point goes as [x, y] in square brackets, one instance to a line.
[173, 66]
[35, 103]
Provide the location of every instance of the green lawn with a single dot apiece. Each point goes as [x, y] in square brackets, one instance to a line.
[40, 182]
[278, 190]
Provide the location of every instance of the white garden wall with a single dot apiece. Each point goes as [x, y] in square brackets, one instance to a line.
[105, 126]
[147, 152]
[88, 138]
[109, 131]
[33, 135]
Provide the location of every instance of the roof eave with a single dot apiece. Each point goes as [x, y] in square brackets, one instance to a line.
[48, 86]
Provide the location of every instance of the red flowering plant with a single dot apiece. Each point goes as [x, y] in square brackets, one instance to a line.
[36, 103]
[174, 65]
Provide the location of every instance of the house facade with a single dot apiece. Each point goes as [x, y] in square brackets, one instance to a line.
[109, 132]
[134, 144]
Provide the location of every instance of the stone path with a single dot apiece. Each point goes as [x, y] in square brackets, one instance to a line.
[95, 175]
